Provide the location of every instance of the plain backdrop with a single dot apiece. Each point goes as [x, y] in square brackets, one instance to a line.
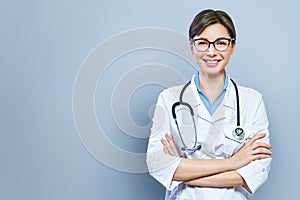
[44, 43]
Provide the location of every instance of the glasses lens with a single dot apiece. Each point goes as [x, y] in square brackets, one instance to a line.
[221, 44]
[201, 44]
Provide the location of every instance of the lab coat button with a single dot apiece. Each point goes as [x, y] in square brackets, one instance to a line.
[263, 170]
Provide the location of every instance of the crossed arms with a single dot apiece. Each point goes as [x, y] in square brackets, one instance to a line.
[217, 172]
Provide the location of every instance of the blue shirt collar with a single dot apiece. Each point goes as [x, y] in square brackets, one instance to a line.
[211, 108]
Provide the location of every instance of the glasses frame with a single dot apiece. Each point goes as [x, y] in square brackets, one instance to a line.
[230, 40]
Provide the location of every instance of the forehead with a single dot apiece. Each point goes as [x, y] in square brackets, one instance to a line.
[214, 31]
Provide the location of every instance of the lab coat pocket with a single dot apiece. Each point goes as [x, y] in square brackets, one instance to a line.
[235, 139]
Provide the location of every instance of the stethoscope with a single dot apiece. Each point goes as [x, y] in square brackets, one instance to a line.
[238, 133]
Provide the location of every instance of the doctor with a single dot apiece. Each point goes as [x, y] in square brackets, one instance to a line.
[200, 156]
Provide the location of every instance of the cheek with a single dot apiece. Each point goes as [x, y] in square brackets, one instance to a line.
[226, 56]
[194, 52]
[192, 49]
[197, 54]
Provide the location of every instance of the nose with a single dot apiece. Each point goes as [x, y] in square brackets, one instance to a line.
[211, 51]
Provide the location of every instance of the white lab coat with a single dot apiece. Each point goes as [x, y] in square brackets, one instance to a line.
[214, 133]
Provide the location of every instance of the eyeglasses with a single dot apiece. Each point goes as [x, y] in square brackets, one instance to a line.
[220, 44]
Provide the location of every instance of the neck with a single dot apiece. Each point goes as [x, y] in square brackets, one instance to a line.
[212, 85]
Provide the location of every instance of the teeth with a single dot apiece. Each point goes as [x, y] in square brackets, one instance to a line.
[211, 61]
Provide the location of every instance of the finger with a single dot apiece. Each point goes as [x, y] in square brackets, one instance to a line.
[171, 149]
[260, 156]
[262, 152]
[174, 148]
[259, 136]
[166, 150]
[163, 141]
[256, 137]
[169, 138]
[170, 141]
[165, 146]
[177, 152]
[261, 145]
[170, 145]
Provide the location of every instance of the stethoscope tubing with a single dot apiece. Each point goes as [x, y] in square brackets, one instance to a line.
[238, 132]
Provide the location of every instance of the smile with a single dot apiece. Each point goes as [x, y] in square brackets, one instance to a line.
[212, 62]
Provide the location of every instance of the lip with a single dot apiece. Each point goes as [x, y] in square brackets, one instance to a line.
[212, 62]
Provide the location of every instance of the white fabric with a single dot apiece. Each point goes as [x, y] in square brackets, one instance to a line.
[215, 135]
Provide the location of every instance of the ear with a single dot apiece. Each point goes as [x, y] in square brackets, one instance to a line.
[232, 48]
[192, 48]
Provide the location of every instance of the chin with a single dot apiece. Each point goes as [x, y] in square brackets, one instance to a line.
[212, 71]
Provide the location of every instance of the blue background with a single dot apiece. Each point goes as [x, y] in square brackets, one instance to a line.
[42, 46]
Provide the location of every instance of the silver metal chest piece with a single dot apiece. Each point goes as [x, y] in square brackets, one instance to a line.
[238, 133]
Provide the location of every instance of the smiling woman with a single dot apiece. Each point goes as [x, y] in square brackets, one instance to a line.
[224, 153]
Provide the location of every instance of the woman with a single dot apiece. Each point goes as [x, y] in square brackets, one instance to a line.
[222, 150]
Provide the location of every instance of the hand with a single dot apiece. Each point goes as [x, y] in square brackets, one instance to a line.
[252, 150]
[169, 146]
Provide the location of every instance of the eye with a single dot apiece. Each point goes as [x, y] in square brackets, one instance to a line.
[221, 43]
[201, 43]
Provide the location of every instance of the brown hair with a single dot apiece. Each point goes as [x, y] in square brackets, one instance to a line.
[209, 17]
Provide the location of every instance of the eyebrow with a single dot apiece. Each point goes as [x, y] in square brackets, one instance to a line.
[201, 38]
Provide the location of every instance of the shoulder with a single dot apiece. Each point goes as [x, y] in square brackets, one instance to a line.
[171, 94]
[249, 94]
[249, 91]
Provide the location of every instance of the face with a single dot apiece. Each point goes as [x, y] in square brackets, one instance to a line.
[212, 62]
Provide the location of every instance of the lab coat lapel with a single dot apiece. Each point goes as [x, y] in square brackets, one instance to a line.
[200, 109]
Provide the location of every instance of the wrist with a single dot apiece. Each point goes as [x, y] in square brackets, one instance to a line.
[230, 164]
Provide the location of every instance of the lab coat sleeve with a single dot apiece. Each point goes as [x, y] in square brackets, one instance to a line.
[161, 165]
[256, 172]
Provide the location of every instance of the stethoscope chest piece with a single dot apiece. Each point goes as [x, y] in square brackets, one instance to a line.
[238, 133]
